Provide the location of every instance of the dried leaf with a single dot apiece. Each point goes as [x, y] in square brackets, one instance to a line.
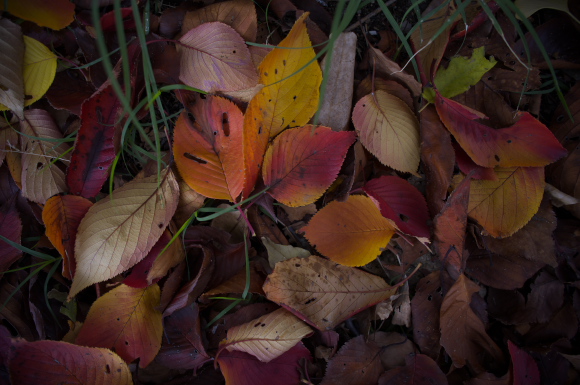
[56, 14]
[278, 253]
[215, 58]
[323, 293]
[125, 319]
[62, 215]
[267, 337]
[302, 163]
[60, 363]
[420, 370]
[425, 307]
[10, 228]
[208, 150]
[352, 233]
[525, 370]
[119, 231]
[11, 62]
[358, 362]
[292, 80]
[389, 130]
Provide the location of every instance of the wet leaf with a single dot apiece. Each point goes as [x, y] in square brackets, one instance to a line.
[208, 150]
[126, 320]
[302, 163]
[55, 14]
[215, 58]
[504, 206]
[11, 61]
[352, 233]
[323, 293]
[62, 215]
[292, 80]
[400, 202]
[527, 143]
[119, 231]
[267, 337]
[60, 362]
[41, 176]
[388, 128]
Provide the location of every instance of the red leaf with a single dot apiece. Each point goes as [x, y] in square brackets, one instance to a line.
[140, 272]
[94, 149]
[525, 369]
[401, 202]
[241, 368]
[303, 162]
[528, 143]
[468, 166]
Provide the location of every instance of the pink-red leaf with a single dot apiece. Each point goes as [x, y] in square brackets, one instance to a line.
[303, 162]
[401, 202]
[527, 143]
[55, 362]
[94, 150]
[525, 370]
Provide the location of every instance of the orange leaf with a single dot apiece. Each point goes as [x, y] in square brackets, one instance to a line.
[55, 14]
[56, 362]
[62, 215]
[303, 162]
[528, 143]
[323, 293]
[352, 233]
[125, 319]
[208, 150]
[215, 58]
[120, 230]
[267, 337]
[504, 206]
[292, 80]
[389, 130]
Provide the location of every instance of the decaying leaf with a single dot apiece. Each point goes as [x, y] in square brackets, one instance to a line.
[358, 362]
[11, 60]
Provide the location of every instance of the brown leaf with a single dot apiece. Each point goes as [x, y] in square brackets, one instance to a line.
[420, 370]
[11, 62]
[425, 307]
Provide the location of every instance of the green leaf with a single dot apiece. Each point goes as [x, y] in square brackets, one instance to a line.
[461, 74]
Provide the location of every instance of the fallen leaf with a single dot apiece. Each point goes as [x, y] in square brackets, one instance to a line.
[10, 228]
[62, 215]
[126, 320]
[390, 69]
[529, 7]
[400, 202]
[60, 362]
[425, 307]
[41, 175]
[352, 233]
[119, 231]
[302, 163]
[39, 69]
[208, 149]
[357, 363]
[504, 206]
[525, 370]
[323, 293]
[267, 337]
[291, 78]
[94, 150]
[241, 368]
[528, 143]
[463, 334]
[11, 62]
[278, 253]
[420, 370]
[55, 15]
[388, 128]
[468, 166]
[214, 57]
[69, 90]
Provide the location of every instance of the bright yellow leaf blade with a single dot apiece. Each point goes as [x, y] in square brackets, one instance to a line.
[352, 233]
[389, 130]
[127, 320]
[291, 79]
[119, 230]
[39, 69]
[267, 337]
[504, 206]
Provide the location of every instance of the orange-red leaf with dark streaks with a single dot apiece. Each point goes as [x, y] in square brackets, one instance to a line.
[208, 151]
[56, 362]
[527, 143]
[94, 150]
[302, 163]
[62, 215]
[125, 319]
[401, 202]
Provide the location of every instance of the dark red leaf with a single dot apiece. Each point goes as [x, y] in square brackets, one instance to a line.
[525, 369]
[69, 90]
[468, 166]
[10, 228]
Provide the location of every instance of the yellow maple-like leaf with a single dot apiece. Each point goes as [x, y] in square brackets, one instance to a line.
[351, 233]
[291, 77]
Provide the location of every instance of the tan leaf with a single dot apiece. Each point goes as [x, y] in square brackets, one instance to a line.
[267, 337]
[278, 253]
[119, 231]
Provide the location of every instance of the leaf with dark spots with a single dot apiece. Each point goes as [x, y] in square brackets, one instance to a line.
[94, 150]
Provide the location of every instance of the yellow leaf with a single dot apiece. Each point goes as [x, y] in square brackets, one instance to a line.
[291, 79]
[351, 233]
